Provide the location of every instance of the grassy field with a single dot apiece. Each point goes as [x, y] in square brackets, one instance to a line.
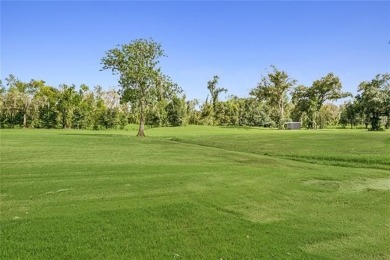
[195, 193]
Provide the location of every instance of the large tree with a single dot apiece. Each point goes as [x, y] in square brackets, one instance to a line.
[303, 104]
[326, 88]
[374, 99]
[273, 89]
[140, 77]
[309, 100]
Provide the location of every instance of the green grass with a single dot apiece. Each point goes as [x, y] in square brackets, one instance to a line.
[195, 193]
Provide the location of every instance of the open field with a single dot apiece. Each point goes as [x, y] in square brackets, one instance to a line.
[195, 193]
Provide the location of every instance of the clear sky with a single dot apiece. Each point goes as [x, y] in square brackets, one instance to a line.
[63, 41]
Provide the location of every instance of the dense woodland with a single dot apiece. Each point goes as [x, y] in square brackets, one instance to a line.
[157, 101]
[34, 104]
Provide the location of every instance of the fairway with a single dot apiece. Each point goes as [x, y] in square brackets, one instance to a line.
[195, 192]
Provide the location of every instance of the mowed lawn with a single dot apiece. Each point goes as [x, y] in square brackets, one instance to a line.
[195, 193]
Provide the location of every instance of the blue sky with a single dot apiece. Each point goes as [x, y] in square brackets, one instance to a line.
[63, 41]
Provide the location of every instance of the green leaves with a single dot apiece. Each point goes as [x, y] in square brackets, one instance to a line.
[140, 77]
[310, 100]
[273, 89]
[136, 63]
[327, 88]
[374, 99]
[214, 92]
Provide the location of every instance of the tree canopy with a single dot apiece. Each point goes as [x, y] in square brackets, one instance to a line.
[146, 96]
[140, 78]
[273, 89]
[309, 100]
[374, 100]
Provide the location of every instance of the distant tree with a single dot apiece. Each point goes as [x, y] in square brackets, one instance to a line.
[67, 102]
[374, 100]
[193, 112]
[3, 93]
[329, 114]
[139, 77]
[177, 111]
[237, 111]
[308, 101]
[32, 102]
[228, 112]
[167, 103]
[327, 88]
[349, 114]
[36, 105]
[303, 105]
[47, 98]
[20, 98]
[253, 113]
[112, 116]
[273, 89]
[85, 108]
[206, 113]
[214, 93]
[156, 114]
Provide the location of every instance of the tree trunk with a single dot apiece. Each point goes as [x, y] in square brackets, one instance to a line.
[24, 120]
[141, 129]
[281, 109]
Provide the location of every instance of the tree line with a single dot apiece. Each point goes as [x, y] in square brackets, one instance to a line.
[146, 96]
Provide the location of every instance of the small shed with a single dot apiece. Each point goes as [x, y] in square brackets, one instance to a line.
[293, 125]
